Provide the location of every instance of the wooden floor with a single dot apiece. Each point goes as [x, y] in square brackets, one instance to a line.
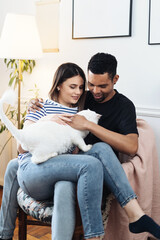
[33, 232]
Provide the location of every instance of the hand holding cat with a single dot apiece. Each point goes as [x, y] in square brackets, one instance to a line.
[58, 118]
[35, 104]
[76, 121]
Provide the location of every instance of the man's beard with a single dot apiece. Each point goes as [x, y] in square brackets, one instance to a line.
[101, 99]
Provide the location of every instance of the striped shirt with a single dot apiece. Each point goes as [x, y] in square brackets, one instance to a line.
[49, 107]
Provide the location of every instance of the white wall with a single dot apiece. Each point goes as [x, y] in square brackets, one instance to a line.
[138, 65]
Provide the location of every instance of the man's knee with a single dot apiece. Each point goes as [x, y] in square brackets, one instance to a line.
[64, 192]
[101, 146]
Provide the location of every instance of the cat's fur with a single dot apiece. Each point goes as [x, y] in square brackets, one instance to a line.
[46, 139]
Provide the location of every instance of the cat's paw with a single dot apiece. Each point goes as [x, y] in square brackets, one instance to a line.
[37, 160]
[54, 154]
[87, 148]
[41, 159]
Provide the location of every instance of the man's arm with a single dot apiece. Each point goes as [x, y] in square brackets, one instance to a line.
[122, 143]
[35, 105]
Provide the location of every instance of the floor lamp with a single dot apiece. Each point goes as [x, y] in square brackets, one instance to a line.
[20, 40]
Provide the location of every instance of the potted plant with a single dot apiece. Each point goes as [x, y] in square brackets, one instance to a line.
[12, 112]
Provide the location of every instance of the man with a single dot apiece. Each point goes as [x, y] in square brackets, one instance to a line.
[117, 126]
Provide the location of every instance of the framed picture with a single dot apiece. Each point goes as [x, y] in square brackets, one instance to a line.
[154, 21]
[47, 16]
[101, 18]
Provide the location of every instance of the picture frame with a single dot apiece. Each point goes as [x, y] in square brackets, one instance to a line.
[101, 18]
[47, 17]
[154, 20]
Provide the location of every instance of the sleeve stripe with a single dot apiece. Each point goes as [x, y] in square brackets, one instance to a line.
[50, 107]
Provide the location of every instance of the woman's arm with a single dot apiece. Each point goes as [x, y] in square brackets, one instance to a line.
[58, 118]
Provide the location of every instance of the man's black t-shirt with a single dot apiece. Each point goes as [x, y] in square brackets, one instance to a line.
[118, 115]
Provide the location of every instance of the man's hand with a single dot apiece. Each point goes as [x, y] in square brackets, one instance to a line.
[76, 121]
[35, 104]
[75, 151]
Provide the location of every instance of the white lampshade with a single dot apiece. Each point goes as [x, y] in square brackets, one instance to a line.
[20, 38]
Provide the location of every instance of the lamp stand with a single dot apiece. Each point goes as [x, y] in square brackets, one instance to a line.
[19, 94]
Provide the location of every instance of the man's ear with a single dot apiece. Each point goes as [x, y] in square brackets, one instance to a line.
[115, 79]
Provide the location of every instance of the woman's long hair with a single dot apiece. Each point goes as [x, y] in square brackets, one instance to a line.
[65, 71]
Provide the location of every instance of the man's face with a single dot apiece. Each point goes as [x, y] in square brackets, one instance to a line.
[101, 86]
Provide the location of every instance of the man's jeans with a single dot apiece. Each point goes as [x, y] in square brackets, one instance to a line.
[9, 205]
[114, 176]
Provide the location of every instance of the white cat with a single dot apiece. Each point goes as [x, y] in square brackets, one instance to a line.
[46, 139]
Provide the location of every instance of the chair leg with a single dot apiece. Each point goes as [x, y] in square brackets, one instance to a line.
[78, 233]
[22, 218]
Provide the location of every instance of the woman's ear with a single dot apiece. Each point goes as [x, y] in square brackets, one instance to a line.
[115, 79]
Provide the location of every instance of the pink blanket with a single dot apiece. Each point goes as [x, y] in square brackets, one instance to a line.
[144, 176]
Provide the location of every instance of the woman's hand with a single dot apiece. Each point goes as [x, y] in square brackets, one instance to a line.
[20, 149]
[35, 104]
[58, 118]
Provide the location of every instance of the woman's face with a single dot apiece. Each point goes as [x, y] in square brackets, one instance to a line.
[70, 91]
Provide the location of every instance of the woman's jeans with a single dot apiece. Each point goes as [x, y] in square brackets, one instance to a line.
[38, 181]
[63, 212]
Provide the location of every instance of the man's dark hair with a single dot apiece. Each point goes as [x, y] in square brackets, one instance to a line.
[102, 63]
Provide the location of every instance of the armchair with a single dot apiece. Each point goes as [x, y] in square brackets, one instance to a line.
[142, 171]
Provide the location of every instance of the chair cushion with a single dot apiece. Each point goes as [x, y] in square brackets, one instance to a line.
[40, 210]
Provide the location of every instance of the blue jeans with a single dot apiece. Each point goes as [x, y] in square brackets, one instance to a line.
[114, 176]
[9, 205]
[38, 181]
[63, 218]
[63, 212]
[115, 180]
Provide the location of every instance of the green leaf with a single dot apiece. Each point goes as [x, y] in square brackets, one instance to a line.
[11, 81]
[8, 64]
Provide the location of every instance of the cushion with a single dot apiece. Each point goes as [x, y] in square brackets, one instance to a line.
[40, 210]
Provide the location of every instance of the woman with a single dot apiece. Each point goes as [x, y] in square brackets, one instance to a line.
[64, 191]
[38, 181]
